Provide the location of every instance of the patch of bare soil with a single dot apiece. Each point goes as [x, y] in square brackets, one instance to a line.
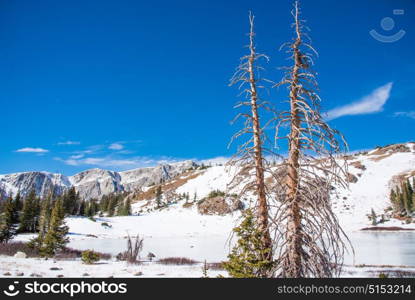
[391, 149]
[358, 165]
[169, 186]
[379, 158]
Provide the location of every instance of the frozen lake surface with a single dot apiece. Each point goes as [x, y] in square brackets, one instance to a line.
[374, 248]
[383, 248]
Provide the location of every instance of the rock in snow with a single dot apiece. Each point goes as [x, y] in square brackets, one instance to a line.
[20, 254]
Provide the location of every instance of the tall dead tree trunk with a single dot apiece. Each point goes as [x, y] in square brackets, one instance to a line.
[311, 243]
[250, 156]
[257, 132]
[294, 216]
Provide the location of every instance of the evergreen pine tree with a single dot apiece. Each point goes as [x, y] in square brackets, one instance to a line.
[45, 214]
[103, 204]
[36, 213]
[373, 217]
[81, 211]
[88, 209]
[18, 201]
[393, 199]
[120, 209]
[18, 205]
[248, 259]
[7, 226]
[55, 238]
[407, 197]
[401, 199]
[44, 220]
[410, 189]
[93, 207]
[159, 194]
[413, 200]
[71, 202]
[15, 214]
[29, 213]
[127, 207]
[111, 206]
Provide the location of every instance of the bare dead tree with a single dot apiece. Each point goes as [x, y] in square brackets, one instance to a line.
[307, 234]
[250, 155]
[131, 255]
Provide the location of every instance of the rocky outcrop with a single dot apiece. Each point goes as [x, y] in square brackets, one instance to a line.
[219, 205]
[351, 178]
[397, 180]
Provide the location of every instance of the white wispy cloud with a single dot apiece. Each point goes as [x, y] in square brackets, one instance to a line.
[220, 160]
[32, 150]
[116, 146]
[407, 114]
[100, 161]
[369, 104]
[68, 143]
[94, 149]
[114, 162]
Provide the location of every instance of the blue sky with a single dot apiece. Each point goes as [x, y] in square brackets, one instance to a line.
[122, 84]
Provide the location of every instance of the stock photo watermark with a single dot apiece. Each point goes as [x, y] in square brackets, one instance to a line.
[388, 24]
[70, 289]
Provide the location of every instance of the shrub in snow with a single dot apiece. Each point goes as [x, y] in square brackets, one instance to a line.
[11, 248]
[177, 261]
[150, 256]
[90, 257]
[216, 193]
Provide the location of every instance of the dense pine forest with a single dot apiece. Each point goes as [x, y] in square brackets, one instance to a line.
[45, 216]
[403, 198]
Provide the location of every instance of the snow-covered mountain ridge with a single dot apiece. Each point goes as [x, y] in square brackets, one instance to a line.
[92, 183]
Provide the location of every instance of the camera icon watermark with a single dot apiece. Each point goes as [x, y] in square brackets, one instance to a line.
[11, 290]
[387, 24]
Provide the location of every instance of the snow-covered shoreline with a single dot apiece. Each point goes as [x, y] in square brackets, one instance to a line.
[38, 267]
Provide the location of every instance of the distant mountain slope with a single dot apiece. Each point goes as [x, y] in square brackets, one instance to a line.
[41, 182]
[376, 173]
[92, 183]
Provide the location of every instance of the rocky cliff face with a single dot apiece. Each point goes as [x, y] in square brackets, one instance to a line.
[92, 183]
[136, 179]
[95, 183]
[42, 182]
